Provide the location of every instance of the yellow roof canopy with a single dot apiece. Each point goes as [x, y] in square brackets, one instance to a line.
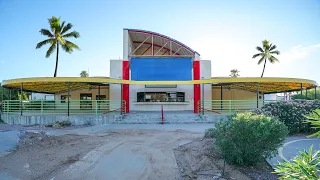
[60, 84]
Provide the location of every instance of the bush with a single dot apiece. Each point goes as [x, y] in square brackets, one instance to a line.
[60, 124]
[314, 120]
[291, 113]
[305, 166]
[248, 138]
[209, 133]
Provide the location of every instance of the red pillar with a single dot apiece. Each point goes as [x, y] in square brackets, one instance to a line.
[196, 88]
[125, 87]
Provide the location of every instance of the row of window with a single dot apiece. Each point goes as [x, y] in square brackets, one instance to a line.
[160, 97]
[85, 99]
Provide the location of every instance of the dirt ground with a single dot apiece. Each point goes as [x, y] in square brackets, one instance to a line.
[200, 159]
[118, 154]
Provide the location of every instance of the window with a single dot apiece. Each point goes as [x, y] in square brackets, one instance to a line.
[64, 98]
[160, 97]
[85, 101]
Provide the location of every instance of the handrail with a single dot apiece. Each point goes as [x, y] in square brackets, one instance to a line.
[229, 106]
[76, 107]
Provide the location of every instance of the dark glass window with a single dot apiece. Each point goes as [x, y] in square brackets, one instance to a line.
[160, 97]
[85, 101]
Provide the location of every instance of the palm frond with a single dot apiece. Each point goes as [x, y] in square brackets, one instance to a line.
[66, 28]
[74, 34]
[256, 55]
[69, 46]
[272, 47]
[72, 45]
[46, 32]
[62, 25]
[50, 50]
[54, 23]
[40, 44]
[266, 44]
[273, 59]
[61, 41]
[259, 49]
[275, 52]
[261, 60]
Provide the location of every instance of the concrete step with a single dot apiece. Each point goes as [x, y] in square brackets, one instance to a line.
[178, 117]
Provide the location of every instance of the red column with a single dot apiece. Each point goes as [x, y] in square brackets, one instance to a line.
[196, 88]
[125, 87]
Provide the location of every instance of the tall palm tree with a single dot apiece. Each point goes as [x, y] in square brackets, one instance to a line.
[57, 37]
[266, 53]
[234, 73]
[84, 74]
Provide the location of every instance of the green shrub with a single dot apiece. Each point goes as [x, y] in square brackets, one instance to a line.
[291, 113]
[247, 138]
[60, 124]
[314, 120]
[209, 133]
[305, 166]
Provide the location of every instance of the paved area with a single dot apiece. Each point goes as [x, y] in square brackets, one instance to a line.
[292, 146]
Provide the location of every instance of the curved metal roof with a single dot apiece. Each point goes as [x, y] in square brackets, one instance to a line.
[160, 43]
[60, 84]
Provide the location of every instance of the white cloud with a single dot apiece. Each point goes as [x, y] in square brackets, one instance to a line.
[298, 52]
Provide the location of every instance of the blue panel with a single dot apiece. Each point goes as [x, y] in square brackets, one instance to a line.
[161, 69]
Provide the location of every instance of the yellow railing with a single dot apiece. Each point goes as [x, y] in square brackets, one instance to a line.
[73, 107]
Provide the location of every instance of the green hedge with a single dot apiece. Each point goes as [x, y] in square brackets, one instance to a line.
[291, 113]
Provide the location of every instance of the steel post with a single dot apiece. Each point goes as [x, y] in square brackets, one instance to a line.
[68, 98]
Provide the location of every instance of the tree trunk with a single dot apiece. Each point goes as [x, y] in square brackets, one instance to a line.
[264, 66]
[57, 59]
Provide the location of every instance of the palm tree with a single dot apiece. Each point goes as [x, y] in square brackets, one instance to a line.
[234, 73]
[57, 37]
[84, 74]
[266, 53]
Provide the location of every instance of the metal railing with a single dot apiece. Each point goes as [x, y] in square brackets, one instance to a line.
[229, 106]
[73, 107]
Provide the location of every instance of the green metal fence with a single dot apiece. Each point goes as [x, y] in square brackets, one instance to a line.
[73, 107]
[229, 106]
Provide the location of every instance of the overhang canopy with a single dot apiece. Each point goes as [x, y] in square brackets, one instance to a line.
[60, 84]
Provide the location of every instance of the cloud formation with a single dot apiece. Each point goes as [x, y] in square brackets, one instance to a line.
[298, 52]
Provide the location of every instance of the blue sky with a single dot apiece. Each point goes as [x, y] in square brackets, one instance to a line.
[225, 31]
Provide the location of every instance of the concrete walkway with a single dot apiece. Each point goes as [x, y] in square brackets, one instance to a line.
[292, 146]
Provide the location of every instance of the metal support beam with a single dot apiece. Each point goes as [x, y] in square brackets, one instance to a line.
[221, 104]
[21, 97]
[257, 85]
[10, 94]
[99, 97]
[2, 94]
[68, 98]
[147, 50]
[170, 48]
[300, 90]
[152, 46]
[161, 48]
[120, 99]
[202, 97]
[177, 50]
[140, 45]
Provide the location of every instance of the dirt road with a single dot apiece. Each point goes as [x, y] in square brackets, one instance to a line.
[116, 154]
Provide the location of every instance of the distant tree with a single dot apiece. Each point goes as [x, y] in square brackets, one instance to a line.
[57, 37]
[234, 73]
[266, 52]
[308, 96]
[84, 74]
